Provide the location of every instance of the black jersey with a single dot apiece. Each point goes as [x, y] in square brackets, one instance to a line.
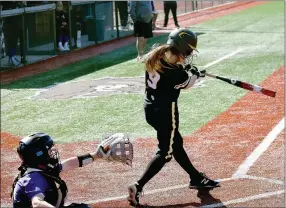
[162, 87]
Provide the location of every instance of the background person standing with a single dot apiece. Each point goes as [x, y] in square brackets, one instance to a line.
[77, 22]
[155, 15]
[12, 28]
[141, 14]
[62, 27]
[170, 5]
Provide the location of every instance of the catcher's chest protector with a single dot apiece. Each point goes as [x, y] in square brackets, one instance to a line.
[55, 195]
[58, 192]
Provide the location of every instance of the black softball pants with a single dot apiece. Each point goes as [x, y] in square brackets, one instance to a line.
[166, 122]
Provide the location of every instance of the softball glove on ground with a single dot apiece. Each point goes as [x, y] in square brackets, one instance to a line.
[116, 148]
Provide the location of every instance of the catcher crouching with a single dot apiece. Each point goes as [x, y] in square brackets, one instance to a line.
[39, 184]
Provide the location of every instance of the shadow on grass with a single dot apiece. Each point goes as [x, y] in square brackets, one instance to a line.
[84, 67]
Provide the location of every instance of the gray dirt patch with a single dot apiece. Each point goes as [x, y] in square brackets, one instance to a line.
[92, 88]
[95, 88]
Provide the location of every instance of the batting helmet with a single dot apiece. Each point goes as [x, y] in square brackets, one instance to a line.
[34, 151]
[183, 40]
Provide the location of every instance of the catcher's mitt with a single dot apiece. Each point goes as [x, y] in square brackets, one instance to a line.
[117, 148]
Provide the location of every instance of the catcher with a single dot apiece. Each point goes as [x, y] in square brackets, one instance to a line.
[39, 184]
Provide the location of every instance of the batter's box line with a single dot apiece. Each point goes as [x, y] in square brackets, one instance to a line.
[149, 192]
[270, 180]
[246, 199]
[181, 186]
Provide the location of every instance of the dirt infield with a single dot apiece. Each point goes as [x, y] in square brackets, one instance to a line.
[9, 140]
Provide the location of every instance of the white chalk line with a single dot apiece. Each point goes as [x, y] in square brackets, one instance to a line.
[262, 147]
[177, 187]
[270, 180]
[222, 58]
[246, 199]
[154, 191]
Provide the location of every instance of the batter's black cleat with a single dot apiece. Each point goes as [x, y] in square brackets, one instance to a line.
[202, 181]
[134, 193]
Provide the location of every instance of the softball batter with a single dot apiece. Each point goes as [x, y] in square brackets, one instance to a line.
[164, 79]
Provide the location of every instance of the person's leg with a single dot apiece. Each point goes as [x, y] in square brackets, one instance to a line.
[147, 32]
[155, 15]
[141, 42]
[66, 42]
[11, 40]
[154, 166]
[139, 37]
[16, 35]
[60, 43]
[161, 120]
[181, 156]
[144, 42]
[197, 179]
[139, 32]
[174, 12]
[8, 42]
[166, 11]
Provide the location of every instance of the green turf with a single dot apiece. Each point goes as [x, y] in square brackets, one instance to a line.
[259, 31]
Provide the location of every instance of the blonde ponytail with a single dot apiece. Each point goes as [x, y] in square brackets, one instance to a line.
[153, 58]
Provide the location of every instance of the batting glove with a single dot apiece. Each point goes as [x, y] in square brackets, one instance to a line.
[199, 73]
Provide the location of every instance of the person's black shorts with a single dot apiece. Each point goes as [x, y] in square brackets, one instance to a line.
[142, 29]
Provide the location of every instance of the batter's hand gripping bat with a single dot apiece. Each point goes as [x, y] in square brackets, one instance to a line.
[244, 85]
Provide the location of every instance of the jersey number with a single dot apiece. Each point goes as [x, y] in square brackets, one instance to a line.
[153, 79]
